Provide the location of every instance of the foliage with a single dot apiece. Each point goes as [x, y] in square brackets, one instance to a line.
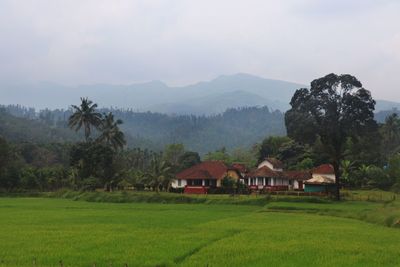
[110, 134]
[159, 175]
[93, 159]
[153, 130]
[390, 132]
[305, 164]
[335, 108]
[219, 154]
[85, 115]
[271, 146]
[188, 159]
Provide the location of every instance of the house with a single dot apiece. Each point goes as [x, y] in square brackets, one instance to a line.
[270, 176]
[325, 170]
[323, 180]
[272, 163]
[199, 178]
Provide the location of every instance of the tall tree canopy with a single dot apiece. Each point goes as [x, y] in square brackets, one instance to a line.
[85, 115]
[111, 134]
[335, 108]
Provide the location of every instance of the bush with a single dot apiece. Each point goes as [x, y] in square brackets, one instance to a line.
[176, 190]
[89, 184]
[396, 188]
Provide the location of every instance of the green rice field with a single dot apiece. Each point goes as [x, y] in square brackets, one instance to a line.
[62, 232]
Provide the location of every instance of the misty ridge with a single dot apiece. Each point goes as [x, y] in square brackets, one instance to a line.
[202, 98]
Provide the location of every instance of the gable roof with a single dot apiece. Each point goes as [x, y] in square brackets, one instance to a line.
[324, 169]
[297, 175]
[263, 172]
[204, 170]
[276, 163]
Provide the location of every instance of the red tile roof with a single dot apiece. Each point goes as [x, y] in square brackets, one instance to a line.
[324, 169]
[297, 175]
[291, 175]
[205, 170]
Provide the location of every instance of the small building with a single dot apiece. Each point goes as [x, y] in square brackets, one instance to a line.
[199, 178]
[326, 170]
[323, 180]
[320, 184]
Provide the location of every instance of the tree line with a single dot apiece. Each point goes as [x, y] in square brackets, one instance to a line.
[153, 130]
[330, 122]
[101, 160]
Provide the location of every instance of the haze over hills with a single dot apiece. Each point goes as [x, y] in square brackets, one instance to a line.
[202, 98]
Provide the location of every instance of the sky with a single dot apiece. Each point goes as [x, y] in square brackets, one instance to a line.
[75, 42]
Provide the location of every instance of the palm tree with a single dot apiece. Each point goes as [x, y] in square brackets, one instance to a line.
[347, 167]
[85, 115]
[364, 169]
[111, 135]
[160, 174]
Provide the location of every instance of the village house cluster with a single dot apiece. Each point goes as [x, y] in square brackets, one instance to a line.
[269, 176]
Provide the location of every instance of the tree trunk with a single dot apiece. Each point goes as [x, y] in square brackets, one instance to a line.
[337, 180]
[157, 188]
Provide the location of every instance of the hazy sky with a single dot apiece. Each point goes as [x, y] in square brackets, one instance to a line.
[183, 41]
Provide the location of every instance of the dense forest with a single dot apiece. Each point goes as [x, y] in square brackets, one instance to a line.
[234, 128]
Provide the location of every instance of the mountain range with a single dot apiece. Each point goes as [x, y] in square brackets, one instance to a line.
[202, 98]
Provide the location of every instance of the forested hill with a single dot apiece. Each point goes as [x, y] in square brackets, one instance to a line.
[25, 129]
[241, 127]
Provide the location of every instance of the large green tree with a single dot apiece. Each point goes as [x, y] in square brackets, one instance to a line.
[85, 115]
[335, 108]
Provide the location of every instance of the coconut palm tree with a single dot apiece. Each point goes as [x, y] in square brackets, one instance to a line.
[111, 135]
[85, 115]
[159, 174]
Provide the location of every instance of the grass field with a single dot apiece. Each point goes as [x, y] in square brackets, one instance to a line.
[277, 233]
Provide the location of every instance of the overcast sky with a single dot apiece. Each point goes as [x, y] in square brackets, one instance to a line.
[181, 41]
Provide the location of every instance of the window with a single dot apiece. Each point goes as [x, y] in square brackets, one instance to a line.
[179, 182]
[198, 182]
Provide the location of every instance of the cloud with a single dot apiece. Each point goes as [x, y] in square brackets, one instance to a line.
[90, 41]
